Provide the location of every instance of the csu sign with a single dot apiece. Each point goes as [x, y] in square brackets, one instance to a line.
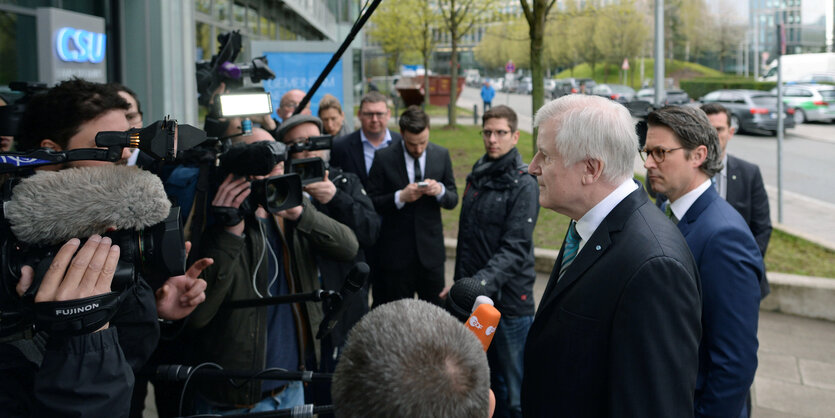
[70, 45]
[79, 45]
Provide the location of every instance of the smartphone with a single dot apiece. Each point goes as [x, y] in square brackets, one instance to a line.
[422, 184]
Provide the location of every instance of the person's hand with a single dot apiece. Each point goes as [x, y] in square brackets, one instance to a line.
[410, 193]
[323, 191]
[266, 121]
[178, 297]
[292, 214]
[88, 273]
[231, 194]
[444, 292]
[433, 188]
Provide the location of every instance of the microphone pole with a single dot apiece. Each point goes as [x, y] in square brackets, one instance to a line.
[179, 372]
[315, 296]
[301, 411]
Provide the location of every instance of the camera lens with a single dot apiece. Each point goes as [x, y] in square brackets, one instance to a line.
[276, 195]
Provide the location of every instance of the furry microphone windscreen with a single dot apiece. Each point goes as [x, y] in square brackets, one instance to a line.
[51, 207]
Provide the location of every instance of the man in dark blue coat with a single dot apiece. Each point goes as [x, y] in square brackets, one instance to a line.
[495, 247]
[617, 330]
[682, 154]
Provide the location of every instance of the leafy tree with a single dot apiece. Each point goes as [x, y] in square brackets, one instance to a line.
[620, 34]
[536, 12]
[459, 17]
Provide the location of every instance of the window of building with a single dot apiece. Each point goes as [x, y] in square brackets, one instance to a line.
[203, 41]
[203, 6]
[239, 15]
[17, 40]
[252, 20]
[221, 10]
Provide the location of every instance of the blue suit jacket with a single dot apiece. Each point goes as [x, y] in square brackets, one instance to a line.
[730, 266]
[347, 154]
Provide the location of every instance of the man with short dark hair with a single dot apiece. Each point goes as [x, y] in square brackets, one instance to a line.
[617, 330]
[409, 183]
[410, 359]
[682, 154]
[354, 153]
[495, 246]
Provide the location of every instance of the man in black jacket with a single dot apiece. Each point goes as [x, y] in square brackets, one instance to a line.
[495, 246]
[409, 183]
[339, 195]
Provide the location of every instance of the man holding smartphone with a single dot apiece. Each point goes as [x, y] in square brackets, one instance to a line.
[409, 182]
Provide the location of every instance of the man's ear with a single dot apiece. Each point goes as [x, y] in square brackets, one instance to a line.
[698, 155]
[592, 170]
[48, 143]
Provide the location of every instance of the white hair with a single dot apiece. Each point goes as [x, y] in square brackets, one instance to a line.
[592, 127]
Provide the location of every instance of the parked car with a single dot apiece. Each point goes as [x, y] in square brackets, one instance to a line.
[670, 97]
[811, 102]
[751, 110]
[498, 84]
[572, 85]
[524, 86]
[617, 92]
[548, 86]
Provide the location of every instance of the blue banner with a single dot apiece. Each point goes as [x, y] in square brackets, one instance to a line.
[299, 70]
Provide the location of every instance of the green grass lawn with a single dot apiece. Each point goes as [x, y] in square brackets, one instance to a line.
[673, 68]
[786, 253]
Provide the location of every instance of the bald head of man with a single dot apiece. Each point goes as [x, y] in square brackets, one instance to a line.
[289, 102]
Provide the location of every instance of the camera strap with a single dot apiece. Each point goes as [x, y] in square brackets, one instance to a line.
[77, 316]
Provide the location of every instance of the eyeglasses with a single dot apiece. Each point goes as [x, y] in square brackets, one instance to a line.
[372, 115]
[658, 153]
[486, 134]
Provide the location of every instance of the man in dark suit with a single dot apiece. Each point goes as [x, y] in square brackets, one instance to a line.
[409, 183]
[354, 152]
[617, 330]
[683, 154]
[741, 184]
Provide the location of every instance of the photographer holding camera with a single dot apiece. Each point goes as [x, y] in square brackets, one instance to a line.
[341, 196]
[68, 117]
[259, 254]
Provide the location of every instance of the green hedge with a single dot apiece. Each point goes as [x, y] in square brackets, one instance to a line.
[698, 87]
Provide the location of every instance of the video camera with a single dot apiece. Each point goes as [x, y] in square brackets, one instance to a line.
[11, 113]
[311, 170]
[39, 216]
[221, 68]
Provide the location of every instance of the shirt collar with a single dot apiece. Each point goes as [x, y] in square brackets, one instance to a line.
[386, 140]
[682, 204]
[594, 217]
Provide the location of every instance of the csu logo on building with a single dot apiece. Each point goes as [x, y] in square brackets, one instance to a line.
[78, 45]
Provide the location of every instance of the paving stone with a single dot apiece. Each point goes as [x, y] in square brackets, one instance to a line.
[778, 366]
[818, 374]
[792, 398]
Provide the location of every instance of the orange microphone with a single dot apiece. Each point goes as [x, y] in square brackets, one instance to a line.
[484, 320]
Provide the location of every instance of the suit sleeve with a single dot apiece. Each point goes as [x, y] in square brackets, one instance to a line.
[730, 270]
[656, 331]
[380, 189]
[517, 239]
[450, 198]
[352, 207]
[760, 216]
[331, 238]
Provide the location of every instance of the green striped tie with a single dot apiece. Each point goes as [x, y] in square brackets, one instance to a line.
[572, 246]
[670, 214]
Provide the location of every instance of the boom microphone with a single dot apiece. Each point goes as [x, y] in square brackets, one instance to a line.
[51, 207]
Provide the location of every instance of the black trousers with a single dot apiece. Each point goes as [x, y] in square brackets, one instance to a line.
[405, 281]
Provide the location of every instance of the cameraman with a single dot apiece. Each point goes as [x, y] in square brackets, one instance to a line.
[68, 116]
[261, 255]
[89, 365]
[341, 196]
